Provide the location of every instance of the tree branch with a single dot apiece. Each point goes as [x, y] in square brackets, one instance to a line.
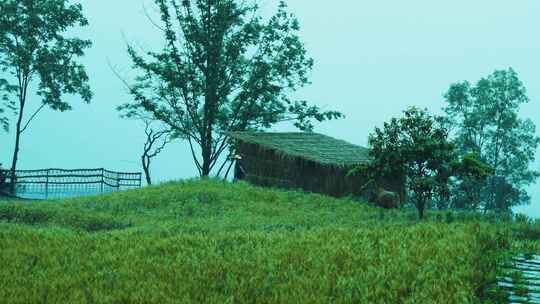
[145, 11]
[32, 117]
[197, 163]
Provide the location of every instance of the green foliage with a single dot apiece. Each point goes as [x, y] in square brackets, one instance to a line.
[415, 149]
[40, 215]
[5, 103]
[18, 214]
[34, 47]
[471, 175]
[486, 116]
[471, 166]
[525, 228]
[213, 242]
[223, 69]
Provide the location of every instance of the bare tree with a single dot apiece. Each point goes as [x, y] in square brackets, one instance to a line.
[156, 140]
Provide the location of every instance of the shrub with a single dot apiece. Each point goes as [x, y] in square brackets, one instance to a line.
[23, 215]
[26, 213]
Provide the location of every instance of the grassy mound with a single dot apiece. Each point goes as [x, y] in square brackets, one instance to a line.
[210, 242]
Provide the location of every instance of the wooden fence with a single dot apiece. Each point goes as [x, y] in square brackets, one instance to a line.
[56, 183]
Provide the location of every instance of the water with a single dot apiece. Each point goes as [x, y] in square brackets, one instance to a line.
[527, 290]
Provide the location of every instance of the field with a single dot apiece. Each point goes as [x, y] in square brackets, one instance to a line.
[213, 242]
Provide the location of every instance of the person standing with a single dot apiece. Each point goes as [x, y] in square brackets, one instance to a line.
[2, 177]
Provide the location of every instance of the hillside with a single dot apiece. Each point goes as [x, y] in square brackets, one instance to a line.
[213, 242]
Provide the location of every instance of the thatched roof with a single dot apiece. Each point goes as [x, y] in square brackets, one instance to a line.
[316, 147]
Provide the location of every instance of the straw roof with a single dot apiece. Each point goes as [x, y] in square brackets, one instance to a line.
[316, 147]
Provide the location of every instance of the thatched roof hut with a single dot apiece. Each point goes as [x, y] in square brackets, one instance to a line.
[309, 161]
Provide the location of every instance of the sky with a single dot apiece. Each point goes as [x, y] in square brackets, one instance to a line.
[373, 59]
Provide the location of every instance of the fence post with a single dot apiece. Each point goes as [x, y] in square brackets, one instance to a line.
[47, 185]
[102, 179]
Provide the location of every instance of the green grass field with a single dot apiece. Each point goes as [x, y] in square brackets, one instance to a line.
[213, 242]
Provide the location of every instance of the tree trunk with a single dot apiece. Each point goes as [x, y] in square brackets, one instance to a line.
[16, 151]
[420, 206]
[208, 140]
[146, 168]
[213, 48]
[206, 153]
[493, 186]
[23, 88]
[421, 212]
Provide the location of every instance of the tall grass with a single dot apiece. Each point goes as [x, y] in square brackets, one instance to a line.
[210, 242]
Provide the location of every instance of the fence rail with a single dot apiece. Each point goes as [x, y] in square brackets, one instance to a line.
[55, 183]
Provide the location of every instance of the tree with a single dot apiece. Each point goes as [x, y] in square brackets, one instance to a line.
[471, 175]
[415, 146]
[156, 140]
[486, 116]
[156, 137]
[223, 69]
[34, 47]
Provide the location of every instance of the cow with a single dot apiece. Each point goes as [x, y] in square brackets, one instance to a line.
[386, 199]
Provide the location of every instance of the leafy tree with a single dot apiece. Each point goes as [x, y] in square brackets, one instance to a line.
[415, 146]
[223, 68]
[34, 48]
[486, 116]
[471, 175]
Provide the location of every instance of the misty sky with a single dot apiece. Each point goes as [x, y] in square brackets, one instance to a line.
[372, 60]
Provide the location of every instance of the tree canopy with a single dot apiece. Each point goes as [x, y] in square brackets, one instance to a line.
[470, 175]
[486, 116]
[415, 149]
[223, 68]
[35, 47]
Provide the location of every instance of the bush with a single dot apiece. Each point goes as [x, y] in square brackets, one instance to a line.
[92, 222]
[25, 213]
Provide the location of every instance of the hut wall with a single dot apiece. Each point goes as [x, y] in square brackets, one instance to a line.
[267, 168]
